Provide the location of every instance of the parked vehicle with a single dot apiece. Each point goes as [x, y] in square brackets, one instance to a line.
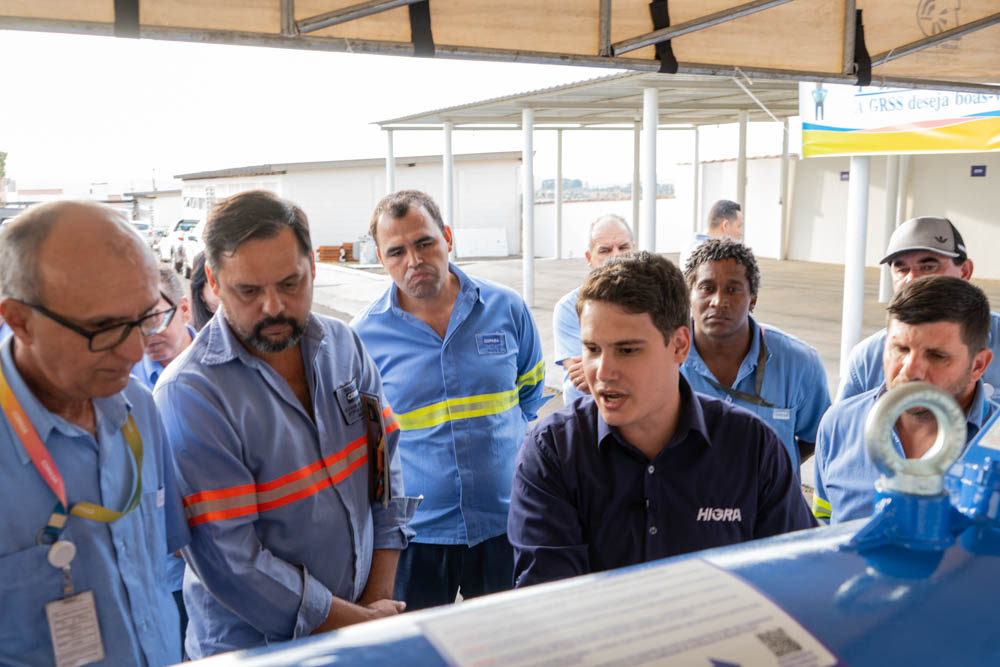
[145, 230]
[172, 246]
[193, 244]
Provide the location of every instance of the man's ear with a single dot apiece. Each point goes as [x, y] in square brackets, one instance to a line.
[448, 236]
[680, 344]
[213, 283]
[966, 269]
[753, 302]
[980, 363]
[16, 315]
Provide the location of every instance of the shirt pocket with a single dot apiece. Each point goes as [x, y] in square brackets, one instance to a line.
[27, 583]
[155, 530]
[782, 420]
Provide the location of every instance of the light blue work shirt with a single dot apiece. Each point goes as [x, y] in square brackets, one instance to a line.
[463, 403]
[566, 332]
[278, 501]
[4, 330]
[867, 372]
[794, 383]
[122, 563]
[693, 245]
[845, 475]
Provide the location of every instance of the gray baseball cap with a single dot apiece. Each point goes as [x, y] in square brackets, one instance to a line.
[927, 233]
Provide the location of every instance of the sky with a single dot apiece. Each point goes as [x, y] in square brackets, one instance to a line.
[82, 109]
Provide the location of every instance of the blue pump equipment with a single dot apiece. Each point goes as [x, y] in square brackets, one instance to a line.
[916, 584]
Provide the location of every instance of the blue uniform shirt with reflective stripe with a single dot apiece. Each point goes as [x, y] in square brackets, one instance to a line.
[845, 475]
[586, 500]
[794, 383]
[566, 334]
[278, 502]
[463, 403]
[121, 562]
[866, 372]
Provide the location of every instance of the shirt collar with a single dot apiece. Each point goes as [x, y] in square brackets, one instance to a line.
[223, 346]
[110, 412]
[749, 363]
[691, 419]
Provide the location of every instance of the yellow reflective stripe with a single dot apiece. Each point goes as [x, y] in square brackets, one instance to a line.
[821, 508]
[457, 408]
[534, 376]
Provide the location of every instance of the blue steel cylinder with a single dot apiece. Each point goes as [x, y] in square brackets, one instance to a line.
[917, 584]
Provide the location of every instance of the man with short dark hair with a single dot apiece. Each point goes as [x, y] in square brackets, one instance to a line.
[462, 364]
[937, 332]
[725, 220]
[760, 368]
[269, 415]
[610, 236]
[649, 468]
[91, 508]
[925, 246]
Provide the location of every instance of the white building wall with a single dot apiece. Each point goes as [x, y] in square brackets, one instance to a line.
[161, 211]
[762, 213]
[939, 185]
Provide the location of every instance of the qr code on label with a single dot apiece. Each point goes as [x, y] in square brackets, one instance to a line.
[779, 642]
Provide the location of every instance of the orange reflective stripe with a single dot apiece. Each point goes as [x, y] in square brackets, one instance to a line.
[390, 426]
[247, 499]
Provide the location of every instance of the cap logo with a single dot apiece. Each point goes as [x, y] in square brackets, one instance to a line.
[940, 239]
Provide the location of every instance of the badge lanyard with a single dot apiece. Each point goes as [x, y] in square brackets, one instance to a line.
[62, 552]
[755, 398]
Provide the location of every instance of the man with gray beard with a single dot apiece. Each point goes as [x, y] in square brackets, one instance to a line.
[268, 414]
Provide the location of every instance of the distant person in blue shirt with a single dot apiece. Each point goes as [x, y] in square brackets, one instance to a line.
[610, 236]
[462, 365]
[919, 247]
[4, 329]
[725, 221]
[165, 346]
[733, 357]
[649, 468]
[937, 331]
[79, 292]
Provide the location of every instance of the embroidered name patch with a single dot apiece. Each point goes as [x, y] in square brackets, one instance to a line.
[782, 413]
[491, 343]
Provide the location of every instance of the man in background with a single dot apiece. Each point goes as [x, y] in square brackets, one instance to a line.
[725, 220]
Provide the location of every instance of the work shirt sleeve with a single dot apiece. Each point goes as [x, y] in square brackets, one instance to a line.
[177, 532]
[814, 399]
[280, 599]
[543, 525]
[391, 521]
[821, 507]
[781, 507]
[853, 383]
[530, 366]
[566, 330]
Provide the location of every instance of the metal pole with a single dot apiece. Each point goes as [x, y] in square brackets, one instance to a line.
[741, 167]
[783, 189]
[891, 201]
[636, 182]
[854, 258]
[695, 194]
[904, 188]
[528, 207]
[650, 122]
[447, 208]
[559, 193]
[390, 164]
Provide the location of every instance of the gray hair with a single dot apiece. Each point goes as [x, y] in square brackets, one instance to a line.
[21, 241]
[607, 217]
[170, 284]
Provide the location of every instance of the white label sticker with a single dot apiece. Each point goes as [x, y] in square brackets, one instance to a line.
[991, 439]
[685, 613]
[76, 636]
[782, 413]
[161, 497]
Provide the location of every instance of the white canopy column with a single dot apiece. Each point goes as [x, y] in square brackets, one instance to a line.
[559, 193]
[854, 258]
[636, 177]
[696, 186]
[891, 200]
[528, 207]
[390, 164]
[447, 205]
[741, 165]
[650, 123]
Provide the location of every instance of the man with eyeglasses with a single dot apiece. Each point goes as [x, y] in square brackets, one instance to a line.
[274, 414]
[84, 473]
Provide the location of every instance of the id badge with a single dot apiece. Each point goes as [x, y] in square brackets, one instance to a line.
[76, 635]
[349, 400]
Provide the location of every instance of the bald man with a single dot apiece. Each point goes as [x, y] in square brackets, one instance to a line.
[86, 467]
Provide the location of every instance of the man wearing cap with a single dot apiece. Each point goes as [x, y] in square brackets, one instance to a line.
[90, 506]
[925, 246]
[937, 331]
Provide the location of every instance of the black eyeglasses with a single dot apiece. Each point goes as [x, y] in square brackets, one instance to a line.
[113, 336]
